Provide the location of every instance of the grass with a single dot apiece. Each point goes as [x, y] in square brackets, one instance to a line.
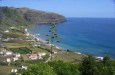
[68, 56]
[39, 50]
[17, 44]
[13, 34]
[5, 70]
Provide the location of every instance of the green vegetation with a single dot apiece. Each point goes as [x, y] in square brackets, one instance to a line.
[52, 68]
[64, 68]
[88, 66]
[21, 50]
[20, 18]
[68, 56]
[16, 44]
[38, 69]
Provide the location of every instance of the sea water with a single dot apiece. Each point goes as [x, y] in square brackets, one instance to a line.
[94, 36]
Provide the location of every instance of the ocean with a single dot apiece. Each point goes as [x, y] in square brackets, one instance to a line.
[95, 36]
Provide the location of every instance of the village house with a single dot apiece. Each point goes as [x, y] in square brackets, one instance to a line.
[14, 70]
[12, 39]
[54, 52]
[7, 31]
[12, 27]
[6, 58]
[5, 52]
[24, 67]
[40, 55]
[99, 58]
[27, 34]
[8, 53]
[15, 58]
[34, 45]
[33, 56]
[17, 55]
[1, 51]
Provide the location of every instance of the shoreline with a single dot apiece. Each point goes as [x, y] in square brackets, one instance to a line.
[43, 42]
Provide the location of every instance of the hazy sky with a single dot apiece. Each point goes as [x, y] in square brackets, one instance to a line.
[68, 8]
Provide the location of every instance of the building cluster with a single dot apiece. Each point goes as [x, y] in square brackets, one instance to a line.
[8, 56]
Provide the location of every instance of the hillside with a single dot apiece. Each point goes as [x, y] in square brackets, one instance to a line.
[10, 16]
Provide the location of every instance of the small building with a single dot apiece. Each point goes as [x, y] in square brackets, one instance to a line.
[14, 70]
[41, 54]
[26, 30]
[54, 52]
[33, 56]
[12, 27]
[1, 52]
[7, 31]
[8, 53]
[99, 58]
[15, 58]
[24, 67]
[27, 34]
[34, 45]
[6, 58]
[17, 55]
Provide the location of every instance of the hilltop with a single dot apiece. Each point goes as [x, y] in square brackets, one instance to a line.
[11, 17]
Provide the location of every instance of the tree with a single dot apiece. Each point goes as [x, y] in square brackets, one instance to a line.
[52, 36]
[108, 68]
[38, 69]
[88, 66]
[64, 68]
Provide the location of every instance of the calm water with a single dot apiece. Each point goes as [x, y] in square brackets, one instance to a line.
[94, 36]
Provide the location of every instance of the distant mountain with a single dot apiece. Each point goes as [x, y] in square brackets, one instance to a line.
[10, 16]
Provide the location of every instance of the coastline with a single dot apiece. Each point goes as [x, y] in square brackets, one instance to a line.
[43, 42]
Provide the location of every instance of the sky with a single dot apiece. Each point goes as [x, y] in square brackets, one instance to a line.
[68, 8]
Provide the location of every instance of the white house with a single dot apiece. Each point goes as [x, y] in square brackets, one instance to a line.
[54, 52]
[1, 52]
[8, 53]
[26, 30]
[7, 31]
[15, 58]
[17, 55]
[41, 54]
[99, 58]
[12, 27]
[8, 60]
[27, 34]
[24, 67]
[14, 70]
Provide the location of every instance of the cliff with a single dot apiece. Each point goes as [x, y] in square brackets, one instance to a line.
[10, 16]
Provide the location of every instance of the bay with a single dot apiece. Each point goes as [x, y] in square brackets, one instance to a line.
[94, 36]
